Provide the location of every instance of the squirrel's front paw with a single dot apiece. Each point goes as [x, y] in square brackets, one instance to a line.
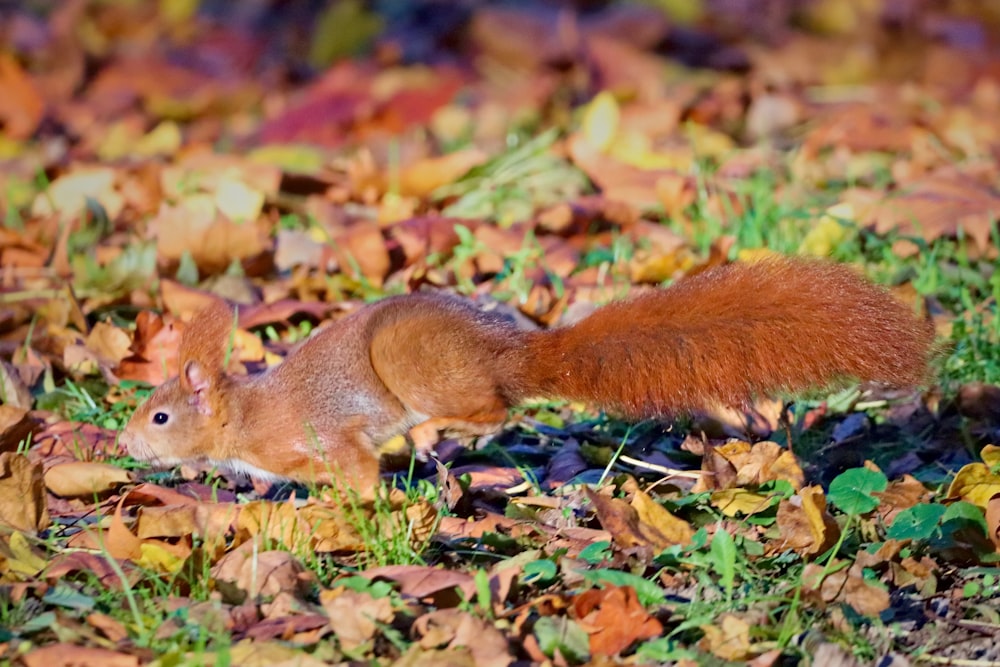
[425, 437]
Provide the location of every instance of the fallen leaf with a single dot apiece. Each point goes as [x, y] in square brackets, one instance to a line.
[83, 478]
[805, 524]
[262, 573]
[458, 629]
[845, 585]
[628, 529]
[354, 616]
[975, 483]
[16, 426]
[74, 655]
[730, 640]
[21, 105]
[22, 494]
[614, 619]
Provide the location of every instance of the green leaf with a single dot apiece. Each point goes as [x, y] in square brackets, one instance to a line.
[723, 552]
[559, 632]
[916, 523]
[539, 572]
[965, 512]
[648, 592]
[596, 553]
[852, 490]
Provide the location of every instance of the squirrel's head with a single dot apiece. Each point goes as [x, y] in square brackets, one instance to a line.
[181, 420]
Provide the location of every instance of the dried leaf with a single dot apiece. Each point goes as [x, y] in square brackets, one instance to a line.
[355, 616]
[82, 478]
[614, 619]
[74, 655]
[22, 494]
[805, 524]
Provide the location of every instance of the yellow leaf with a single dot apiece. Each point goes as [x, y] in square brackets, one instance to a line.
[975, 483]
[729, 640]
[991, 455]
[237, 200]
[155, 557]
[164, 139]
[651, 513]
[22, 559]
[739, 501]
[600, 121]
[829, 231]
[175, 12]
[295, 158]
[708, 142]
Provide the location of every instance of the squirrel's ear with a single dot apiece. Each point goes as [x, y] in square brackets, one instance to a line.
[198, 383]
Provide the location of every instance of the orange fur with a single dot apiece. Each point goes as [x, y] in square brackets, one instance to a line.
[429, 363]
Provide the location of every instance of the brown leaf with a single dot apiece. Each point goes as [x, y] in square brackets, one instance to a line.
[194, 225]
[22, 494]
[208, 521]
[16, 427]
[74, 655]
[355, 616]
[993, 520]
[805, 524]
[154, 346]
[614, 619]
[85, 479]
[939, 206]
[16, 395]
[361, 252]
[264, 573]
[669, 528]
[109, 627]
[730, 640]
[845, 585]
[109, 343]
[455, 629]
[314, 527]
[628, 529]
[419, 581]
[21, 105]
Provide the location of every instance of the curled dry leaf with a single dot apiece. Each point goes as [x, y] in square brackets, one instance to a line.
[355, 616]
[805, 524]
[845, 585]
[314, 527]
[644, 526]
[16, 426]
[23, 505]
[85, 479]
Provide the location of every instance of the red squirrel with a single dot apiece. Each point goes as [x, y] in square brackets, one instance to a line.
[430, 363]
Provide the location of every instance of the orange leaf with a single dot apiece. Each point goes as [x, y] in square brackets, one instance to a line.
[614, 619]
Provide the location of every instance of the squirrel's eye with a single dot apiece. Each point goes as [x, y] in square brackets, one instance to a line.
[160, 418]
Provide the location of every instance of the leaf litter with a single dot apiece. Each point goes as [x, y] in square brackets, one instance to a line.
[539, 161]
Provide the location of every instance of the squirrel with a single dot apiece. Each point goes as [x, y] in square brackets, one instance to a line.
[428, 363]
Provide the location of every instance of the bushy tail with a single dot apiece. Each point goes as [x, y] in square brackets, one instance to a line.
[727, 335]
